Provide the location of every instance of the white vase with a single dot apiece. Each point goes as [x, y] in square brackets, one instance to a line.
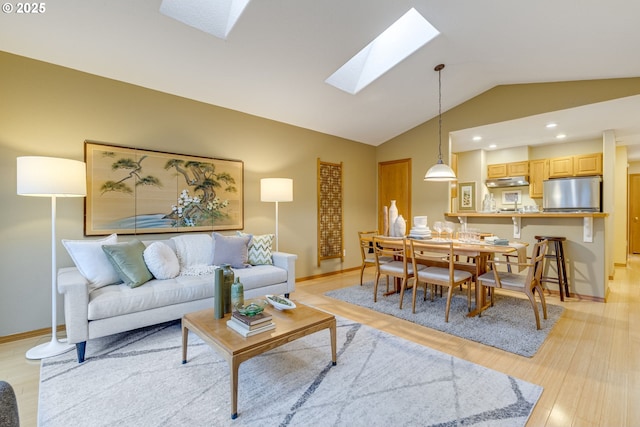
[393, 216]
[385, 221]
[400, 227]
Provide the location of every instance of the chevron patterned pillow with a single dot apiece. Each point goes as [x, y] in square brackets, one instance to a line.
[260, 249]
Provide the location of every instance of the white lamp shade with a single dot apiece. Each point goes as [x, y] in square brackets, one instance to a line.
[440, 172]
[276, 190]
[51, 176]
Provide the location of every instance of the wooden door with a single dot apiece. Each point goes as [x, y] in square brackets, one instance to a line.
[394, 183]
[634, 213]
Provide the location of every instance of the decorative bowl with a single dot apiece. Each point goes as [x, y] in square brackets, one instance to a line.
[280, 303]
[252, 307]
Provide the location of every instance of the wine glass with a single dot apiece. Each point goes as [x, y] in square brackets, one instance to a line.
[438, 226]
[448, 228]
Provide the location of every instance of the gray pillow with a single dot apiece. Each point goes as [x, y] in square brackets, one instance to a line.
[128, 260]
[232, 250]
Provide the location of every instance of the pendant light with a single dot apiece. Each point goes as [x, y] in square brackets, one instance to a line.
[440, 171]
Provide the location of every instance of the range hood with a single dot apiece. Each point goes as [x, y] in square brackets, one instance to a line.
[513, 181]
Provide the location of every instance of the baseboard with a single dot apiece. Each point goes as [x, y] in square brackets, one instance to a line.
[29, 334]
[331, 273]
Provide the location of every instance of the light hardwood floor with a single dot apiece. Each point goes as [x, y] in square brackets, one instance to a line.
[589, 366]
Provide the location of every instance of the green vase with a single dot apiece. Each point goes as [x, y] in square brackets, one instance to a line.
[228, 277]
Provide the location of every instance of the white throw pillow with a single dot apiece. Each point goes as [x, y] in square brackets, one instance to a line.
[91, 260]
[193, 250]
[161, 261]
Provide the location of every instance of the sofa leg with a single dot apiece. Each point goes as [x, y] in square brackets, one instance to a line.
[286, 295]
[80, 348]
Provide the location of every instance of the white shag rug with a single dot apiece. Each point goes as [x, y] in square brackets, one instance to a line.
[509, 325]
[137, 379]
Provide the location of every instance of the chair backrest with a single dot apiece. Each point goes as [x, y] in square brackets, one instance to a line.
[387, 247]
[366, 243]
[432, 252]
[534, 275]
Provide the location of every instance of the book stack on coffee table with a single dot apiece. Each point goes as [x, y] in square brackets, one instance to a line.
[250, 325]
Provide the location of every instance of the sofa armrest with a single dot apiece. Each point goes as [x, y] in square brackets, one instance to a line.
[75, 289]
[288, 262]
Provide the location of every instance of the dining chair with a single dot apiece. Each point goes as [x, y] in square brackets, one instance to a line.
[528, 281]
[399, 267]
[439, 259]
[366, 251]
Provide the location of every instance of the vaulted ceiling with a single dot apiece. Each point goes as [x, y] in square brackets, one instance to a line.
[275, 61]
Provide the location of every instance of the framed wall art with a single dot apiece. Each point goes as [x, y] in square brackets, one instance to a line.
[133, 191]
[510, 197]
[467, 196]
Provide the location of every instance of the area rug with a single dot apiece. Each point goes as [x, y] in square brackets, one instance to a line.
[510, 325]
[137, 379]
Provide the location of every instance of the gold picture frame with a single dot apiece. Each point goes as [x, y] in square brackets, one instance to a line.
[467, 196]
[134, 191]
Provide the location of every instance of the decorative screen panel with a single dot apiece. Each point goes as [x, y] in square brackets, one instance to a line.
[330, 211]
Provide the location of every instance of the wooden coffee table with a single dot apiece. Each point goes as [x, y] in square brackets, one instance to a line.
[290, 325]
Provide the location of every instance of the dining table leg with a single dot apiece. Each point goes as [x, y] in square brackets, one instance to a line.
[481, 300]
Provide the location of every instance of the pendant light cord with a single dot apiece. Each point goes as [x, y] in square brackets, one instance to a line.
[439, 68]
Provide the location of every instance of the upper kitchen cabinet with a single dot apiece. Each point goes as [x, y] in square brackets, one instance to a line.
[539, 171]
[580, 165]
[588, 164]
[502, 170]
[560, 167]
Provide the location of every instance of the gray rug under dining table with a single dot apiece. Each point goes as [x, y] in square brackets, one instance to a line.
[509, 325]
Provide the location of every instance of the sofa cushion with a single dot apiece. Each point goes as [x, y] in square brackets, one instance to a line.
[117, 300]
[127, 259]
[161, 261]
[259, 249]
[91, 260]
[232, 250]
[260, 275]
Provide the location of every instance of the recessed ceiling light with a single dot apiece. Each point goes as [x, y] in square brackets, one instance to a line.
[392, 46]
[477, 138]
[493, 146]
[561, 136]
[551, 125]
[214, 17]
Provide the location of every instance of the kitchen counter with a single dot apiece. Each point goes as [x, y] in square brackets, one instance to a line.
[530, 214]
[584, 247]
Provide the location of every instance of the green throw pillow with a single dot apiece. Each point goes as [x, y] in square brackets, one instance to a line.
[260, 249]
[128, 261]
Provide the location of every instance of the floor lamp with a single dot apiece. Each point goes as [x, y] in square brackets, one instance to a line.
[276, 190]
[51, 177]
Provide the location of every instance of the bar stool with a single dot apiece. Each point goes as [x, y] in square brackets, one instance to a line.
[561, 267]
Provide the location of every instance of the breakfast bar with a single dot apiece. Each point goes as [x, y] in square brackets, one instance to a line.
[584, 247]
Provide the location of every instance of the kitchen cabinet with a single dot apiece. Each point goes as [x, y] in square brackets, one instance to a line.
[518, 168]
[587, 164]
[503, 170]
[497, 171]
[539, 171]
[560, 167]
[580, 165]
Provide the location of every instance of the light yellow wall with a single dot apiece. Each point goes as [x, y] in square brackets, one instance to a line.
[549, 151]
[50, 111]
[620, 247]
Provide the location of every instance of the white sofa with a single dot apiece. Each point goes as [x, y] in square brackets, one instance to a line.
[92, 312]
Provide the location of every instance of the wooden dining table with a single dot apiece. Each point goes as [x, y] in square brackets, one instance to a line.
[480, 252]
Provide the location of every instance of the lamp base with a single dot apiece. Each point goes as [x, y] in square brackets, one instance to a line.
[50, 349]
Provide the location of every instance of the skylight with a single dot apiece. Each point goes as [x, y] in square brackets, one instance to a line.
[401, 39]
[214, 17]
